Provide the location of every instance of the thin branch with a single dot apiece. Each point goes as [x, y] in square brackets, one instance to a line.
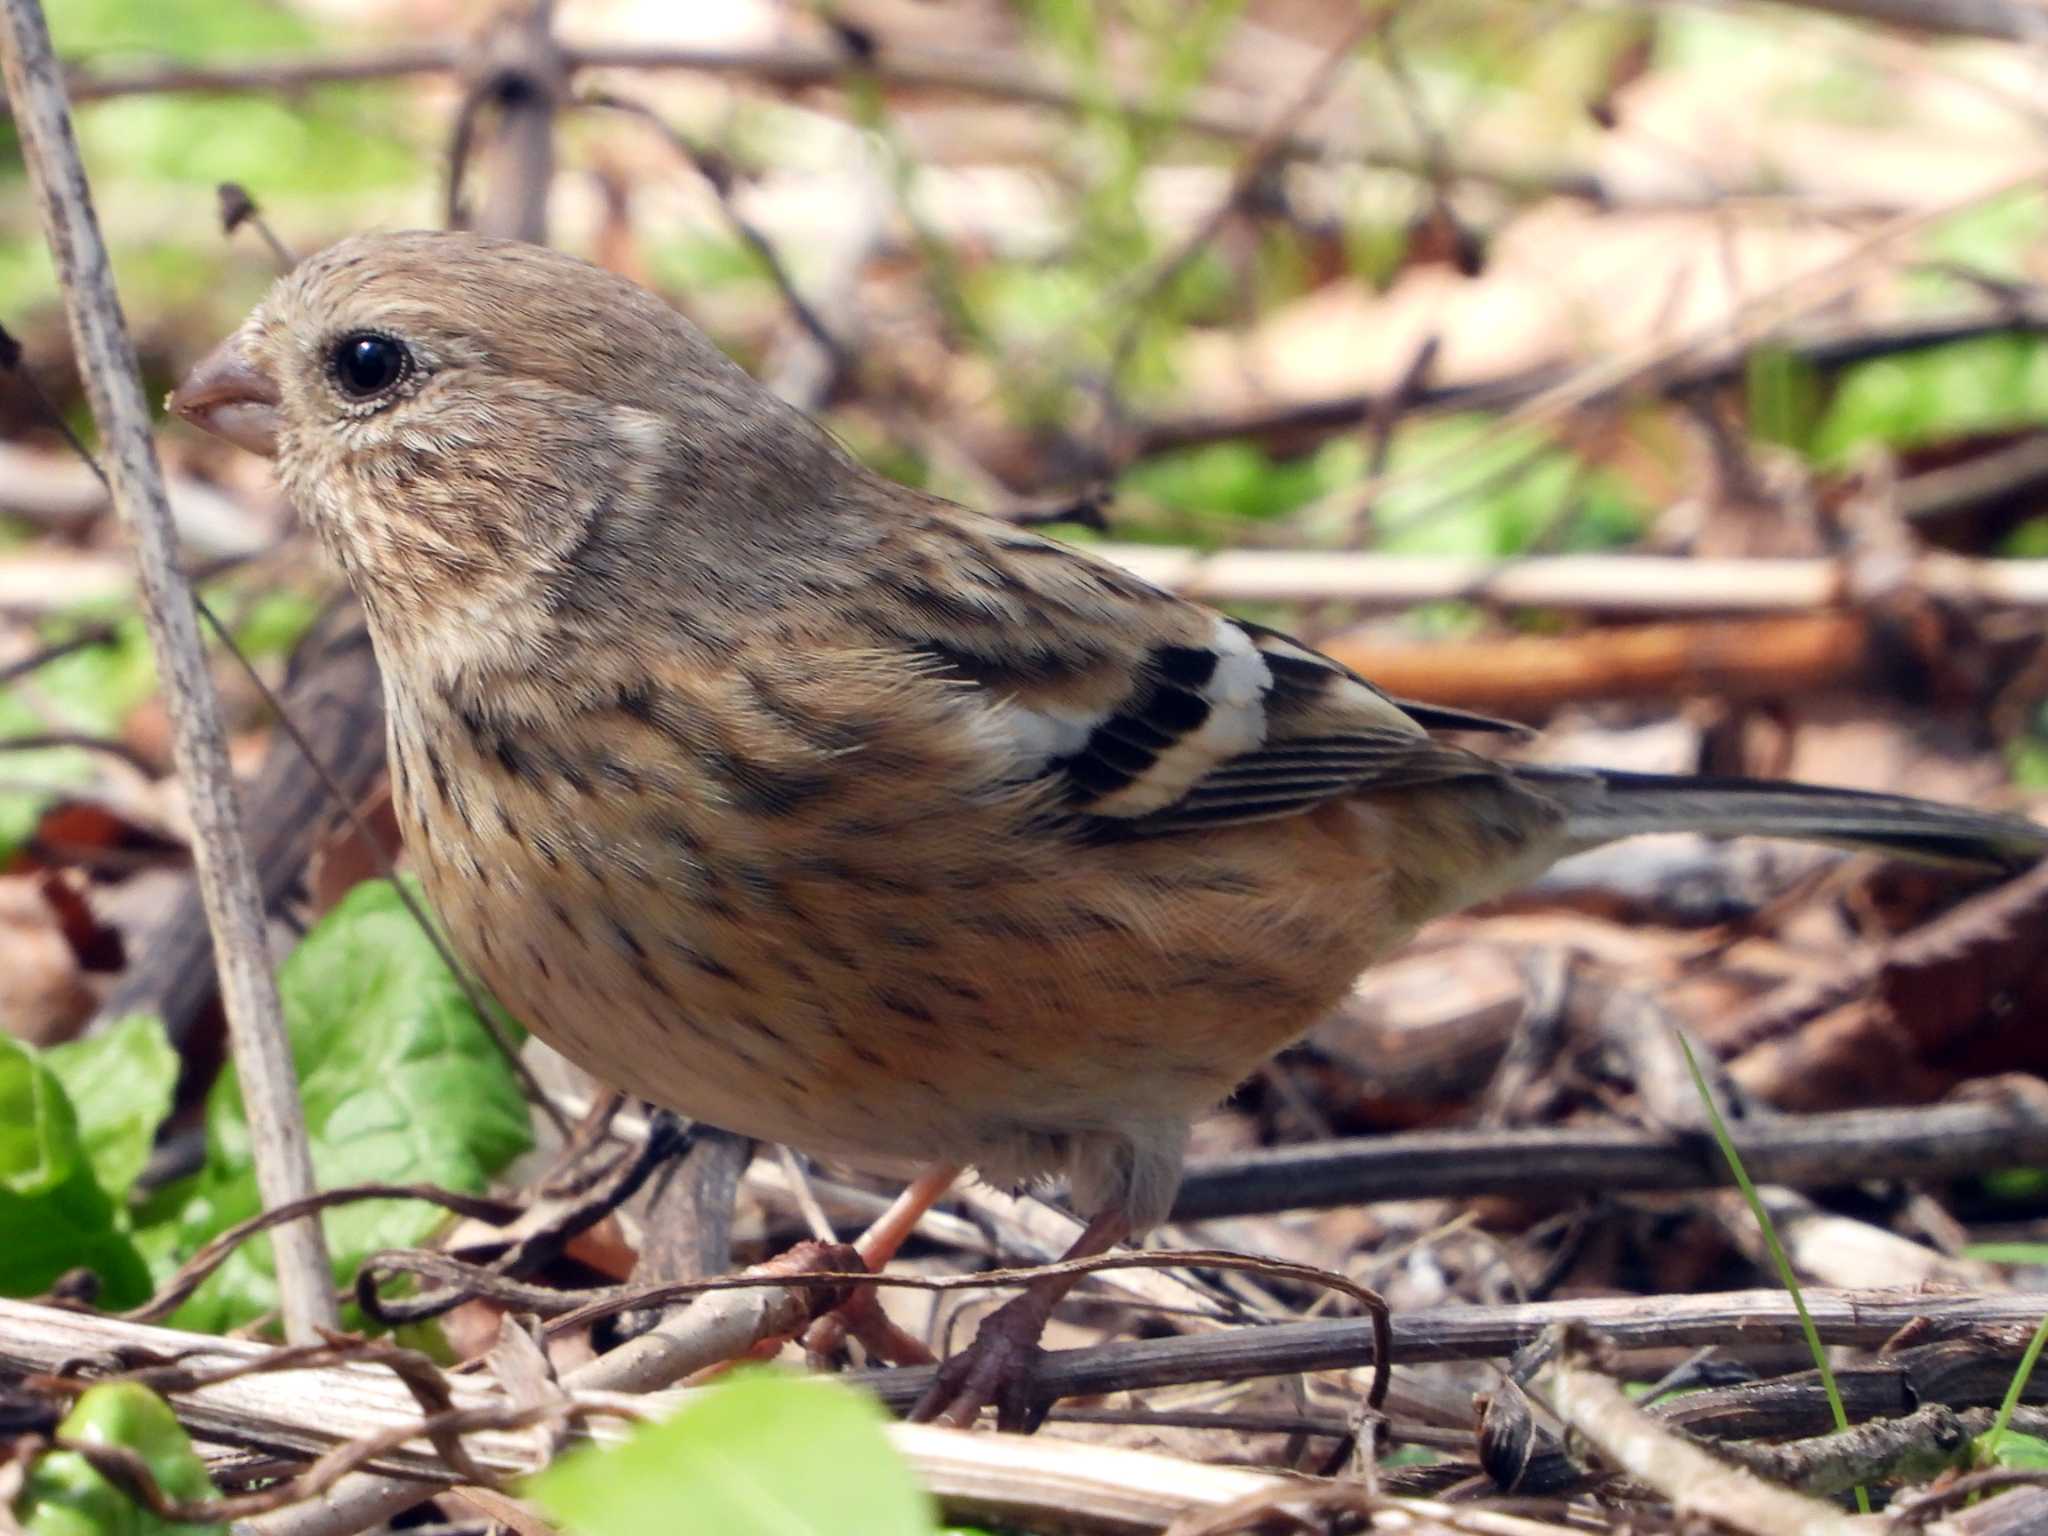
[717, 172]
[249, 996]
[111, 746]
[2005, 21]
[1297, 423]
[237, 208]
[291, 72]
[1641, 584]
[1809, 1151]
[996, 74]
[87, 638]
[1259, 158]
[1739, 1320]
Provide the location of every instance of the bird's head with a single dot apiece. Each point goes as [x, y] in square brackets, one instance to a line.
[470, 422]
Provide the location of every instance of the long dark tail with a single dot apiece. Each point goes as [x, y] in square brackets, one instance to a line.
[1602, 806]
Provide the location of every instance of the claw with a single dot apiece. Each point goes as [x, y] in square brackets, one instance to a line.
[999, 1369]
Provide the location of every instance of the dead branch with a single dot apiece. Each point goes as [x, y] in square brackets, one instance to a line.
[997, 75]
[284, 1166]
[1697, 1483]
[1848, 1146]
[1647, 584]
[1739, 1320]
[1530, 675]
[1301, 423]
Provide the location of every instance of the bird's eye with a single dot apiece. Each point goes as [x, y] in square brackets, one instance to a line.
[368, 364]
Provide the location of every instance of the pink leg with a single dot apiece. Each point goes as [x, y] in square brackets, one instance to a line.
[861, 1314]
[998, 1366]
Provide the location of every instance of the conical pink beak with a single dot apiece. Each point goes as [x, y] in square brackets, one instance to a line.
[229, 396]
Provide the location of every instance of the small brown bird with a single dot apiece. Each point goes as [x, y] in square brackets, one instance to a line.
[836, 814]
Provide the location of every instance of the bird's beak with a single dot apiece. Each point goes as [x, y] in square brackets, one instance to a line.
[231, 397]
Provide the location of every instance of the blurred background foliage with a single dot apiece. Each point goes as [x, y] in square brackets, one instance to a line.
[1034, 302]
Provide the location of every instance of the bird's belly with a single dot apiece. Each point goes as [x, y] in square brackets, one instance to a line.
[865, 1002]
[896, 1058]
[770, 1063]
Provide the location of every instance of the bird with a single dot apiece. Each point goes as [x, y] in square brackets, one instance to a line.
[833, 813]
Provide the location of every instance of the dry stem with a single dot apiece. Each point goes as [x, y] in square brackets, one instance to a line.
[284, 1167]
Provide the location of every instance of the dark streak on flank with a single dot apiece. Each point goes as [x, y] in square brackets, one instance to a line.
[696, 958]
[907, 1007]
[1017, 663]
[439, 771]
[765, 790]
[636, 701]
[799, 721]
[561, 915]
[510, 757]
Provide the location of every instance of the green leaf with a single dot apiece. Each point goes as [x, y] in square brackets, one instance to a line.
[64, 1496]
[119, 1081]
[2007, 1253]
[1990, 384]
[2018, 1186]
[2010, 1448]
[1221, 483]
[1997, 239]
[91, 691]
[1463, 486]
[274, 623]
[1784, 393]
[53, 1211]
[38, 1127]
[761, 1455]
[401, 1083]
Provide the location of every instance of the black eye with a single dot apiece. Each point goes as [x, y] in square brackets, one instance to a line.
[367, 364]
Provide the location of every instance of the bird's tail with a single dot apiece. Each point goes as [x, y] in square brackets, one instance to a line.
[1601, 806]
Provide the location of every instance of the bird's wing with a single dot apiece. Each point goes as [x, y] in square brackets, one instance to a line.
[1149, 713]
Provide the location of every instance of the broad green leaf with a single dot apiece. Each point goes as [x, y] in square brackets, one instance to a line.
[63, 1495]
[1214, 486]
[119, 1081]
[401, 1083]
[1459, 486]
[38, 1127]
[761, 1455]
[1986, 385]
[1462, 486]
[53, 1214]
[2010, 1448]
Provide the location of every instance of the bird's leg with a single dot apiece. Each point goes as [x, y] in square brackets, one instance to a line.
[861, 1315]
[999, 1365]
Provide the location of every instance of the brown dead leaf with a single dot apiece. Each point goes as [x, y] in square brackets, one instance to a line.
[43, 996]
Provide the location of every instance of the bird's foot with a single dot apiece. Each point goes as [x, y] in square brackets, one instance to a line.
[861, 1317]
[999, 1369]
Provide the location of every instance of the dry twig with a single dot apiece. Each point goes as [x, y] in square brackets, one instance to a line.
[284, 1166]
